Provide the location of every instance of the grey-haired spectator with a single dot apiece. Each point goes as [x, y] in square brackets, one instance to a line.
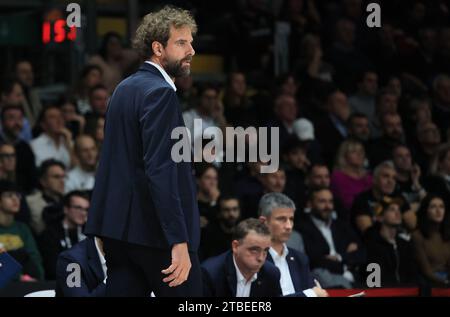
[55, 141]
[277, 211]
[363, 211]
[82, 176]
[52, 177]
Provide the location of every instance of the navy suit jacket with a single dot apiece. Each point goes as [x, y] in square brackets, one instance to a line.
[85, 255]
[219, 278]
[141, 195]
[299, 269]
[317, 248]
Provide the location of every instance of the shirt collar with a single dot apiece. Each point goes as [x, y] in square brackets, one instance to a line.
[320, 223]
[163, 72]
[275, 254]
[240, 277]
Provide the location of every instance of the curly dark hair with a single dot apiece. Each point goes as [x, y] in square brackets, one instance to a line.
[156, 26]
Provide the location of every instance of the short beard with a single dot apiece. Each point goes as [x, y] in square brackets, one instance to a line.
[175, 69]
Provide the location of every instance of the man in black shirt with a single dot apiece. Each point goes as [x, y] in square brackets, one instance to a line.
[216, 237]
[384, 182]
[390, 249]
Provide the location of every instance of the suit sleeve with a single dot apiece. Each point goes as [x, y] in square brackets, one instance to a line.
[159, 116]
[208, 287]
[83, 290]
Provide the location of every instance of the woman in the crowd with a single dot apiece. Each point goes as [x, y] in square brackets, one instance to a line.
[439, 179]
[207, 192]
[432, 241]
[114, 60]
[91, 76]
[350, 177]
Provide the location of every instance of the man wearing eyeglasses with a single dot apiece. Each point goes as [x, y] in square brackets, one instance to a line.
[65, 233]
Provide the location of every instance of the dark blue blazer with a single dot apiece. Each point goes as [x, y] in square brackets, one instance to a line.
[141, 195]
[219, 278]
[299, 269]
[85, 255]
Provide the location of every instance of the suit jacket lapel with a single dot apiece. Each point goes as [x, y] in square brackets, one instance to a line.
[94, 260]
[294, 270]
[231, 274]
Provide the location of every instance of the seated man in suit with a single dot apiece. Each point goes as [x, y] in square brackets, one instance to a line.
[276, 210]
[331, 245]
[90, 257]
[243, 271]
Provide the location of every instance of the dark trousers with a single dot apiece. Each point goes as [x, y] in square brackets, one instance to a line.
[135, 271]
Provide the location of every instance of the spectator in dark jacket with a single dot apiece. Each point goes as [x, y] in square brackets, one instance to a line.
[334, 250]
[392, 251]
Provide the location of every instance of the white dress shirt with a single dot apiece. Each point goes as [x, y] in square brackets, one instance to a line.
[45, 148]
[78, 179]
[287, 286]
[102, 260]
[165, 75]
[325, 229]
[243, 286]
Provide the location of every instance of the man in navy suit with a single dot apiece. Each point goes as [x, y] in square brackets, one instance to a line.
[277, 210]
[243, 271]
[89, 256]
[332, 246]
[144, 203]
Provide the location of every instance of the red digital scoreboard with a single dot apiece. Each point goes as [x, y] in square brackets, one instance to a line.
[55, 29]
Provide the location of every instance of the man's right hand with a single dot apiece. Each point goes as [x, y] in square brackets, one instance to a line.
[178, 271]
[320, 292]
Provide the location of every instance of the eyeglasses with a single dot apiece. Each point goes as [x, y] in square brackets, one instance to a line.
[78, 208]
[12, 195]
[7, 155]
